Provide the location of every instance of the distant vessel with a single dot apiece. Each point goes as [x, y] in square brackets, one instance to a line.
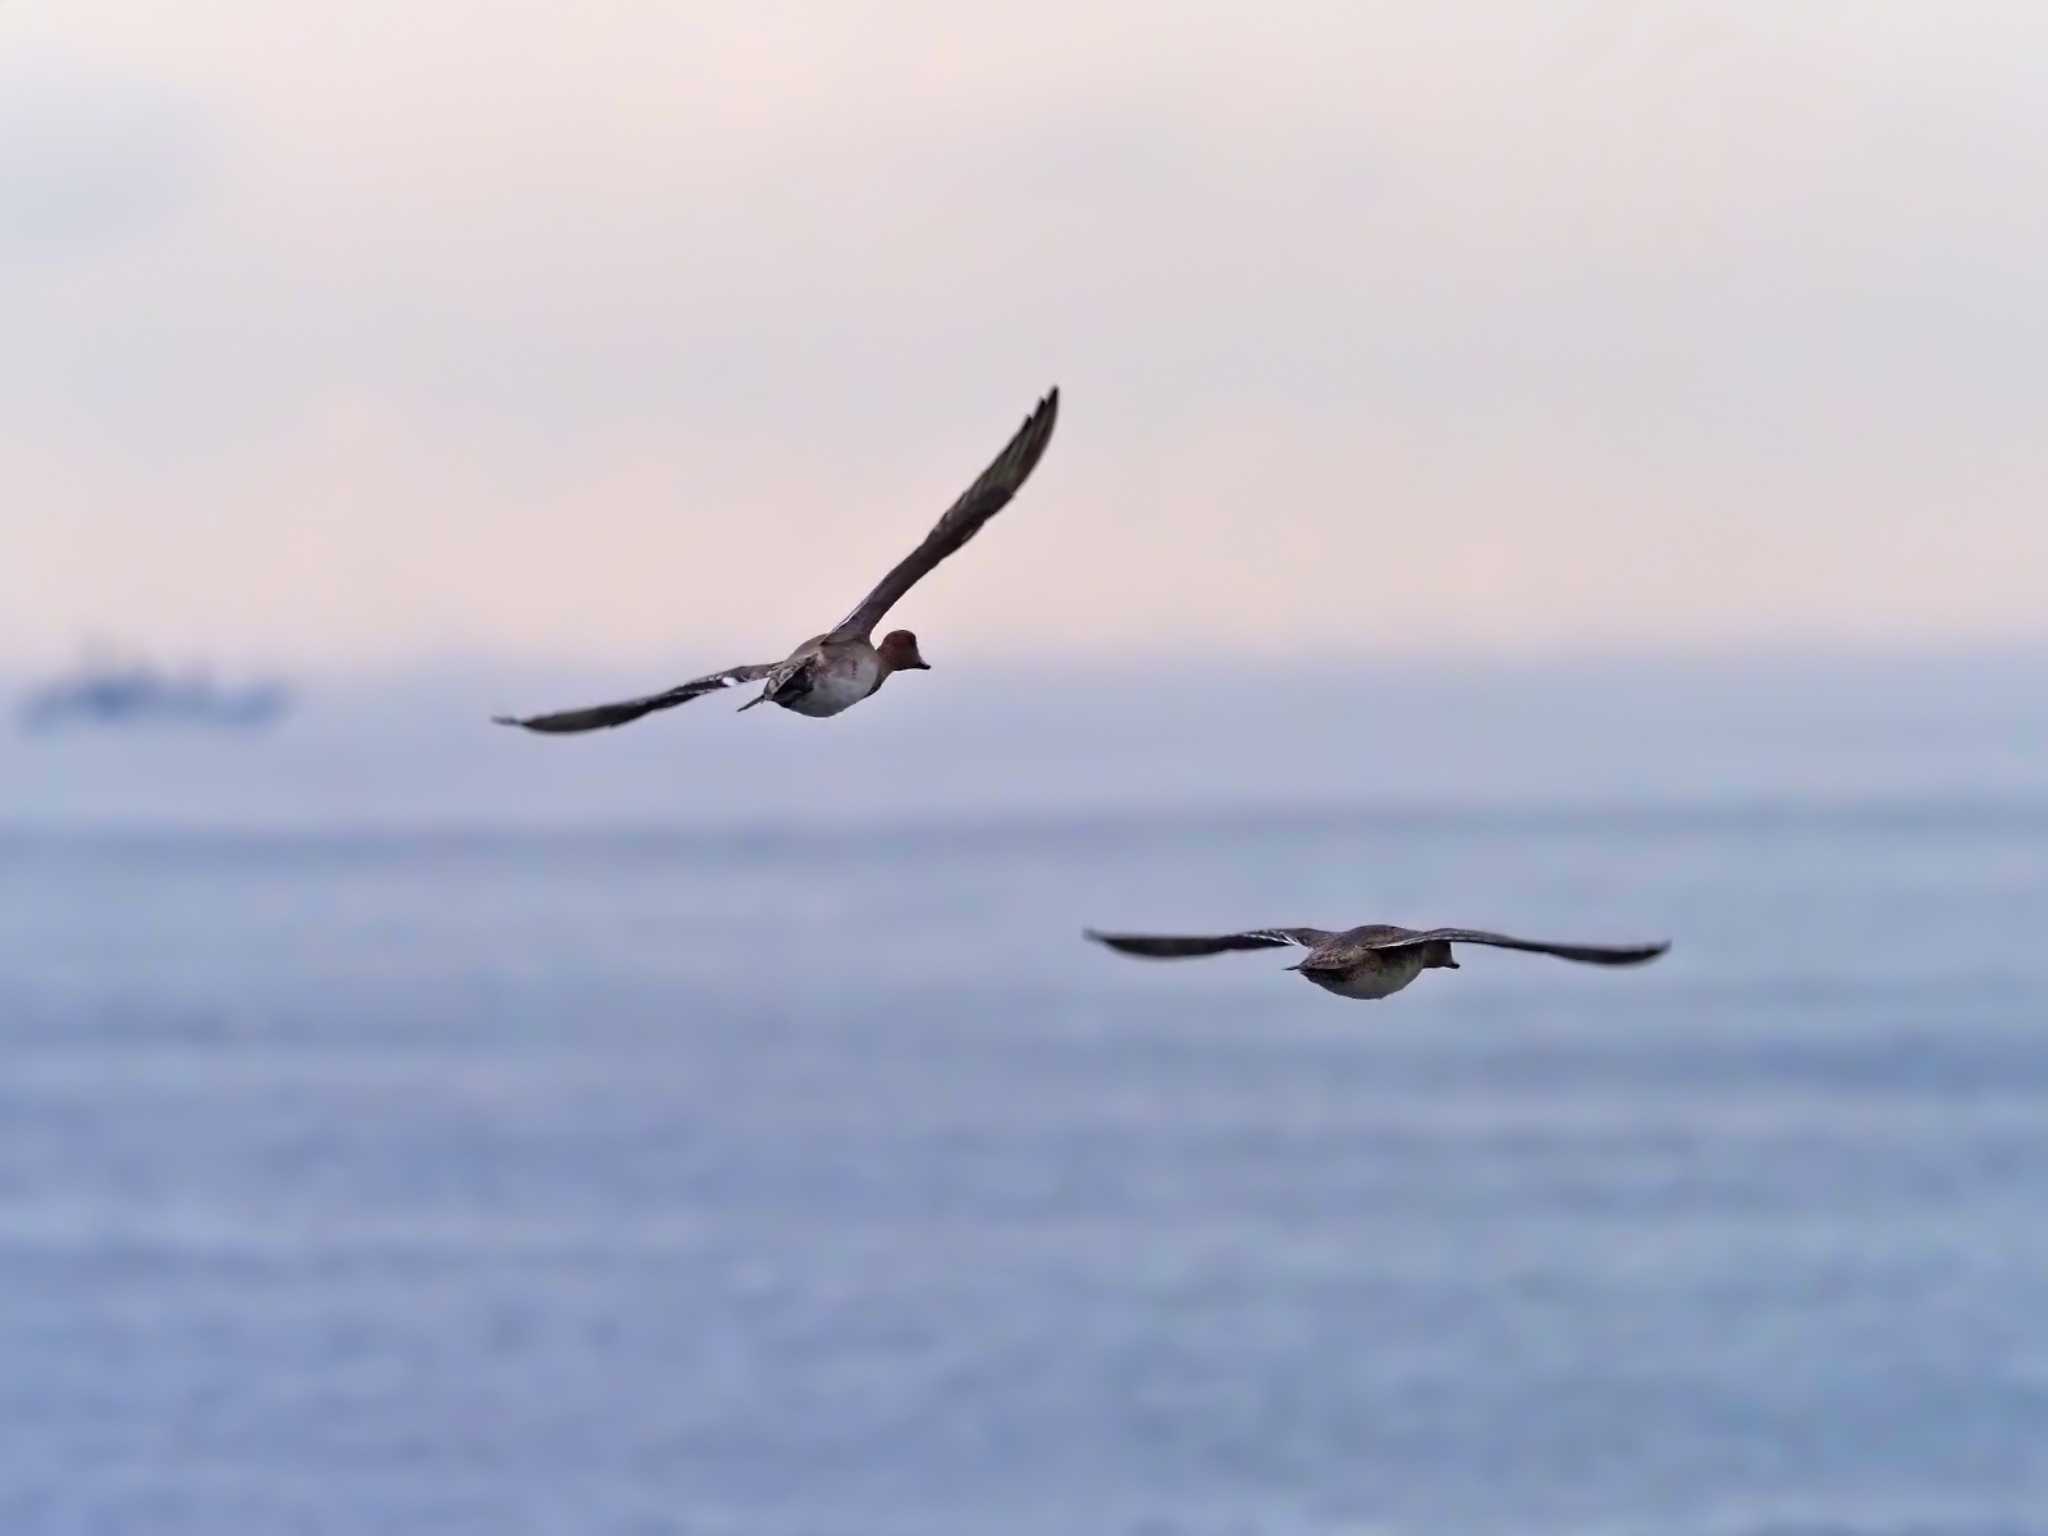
[138, 694]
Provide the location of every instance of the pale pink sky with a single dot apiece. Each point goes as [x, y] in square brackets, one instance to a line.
[355, 332]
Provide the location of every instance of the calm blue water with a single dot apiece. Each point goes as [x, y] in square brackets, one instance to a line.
[829, 1184]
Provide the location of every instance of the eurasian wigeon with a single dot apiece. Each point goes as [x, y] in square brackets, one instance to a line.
[1377, 960]
[836, 670]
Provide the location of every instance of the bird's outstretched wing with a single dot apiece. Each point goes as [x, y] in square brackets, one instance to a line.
[1590, 954]
[600, 716]
[980, 502]
[1162, 946]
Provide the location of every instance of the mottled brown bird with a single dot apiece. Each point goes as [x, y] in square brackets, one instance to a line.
[1375, 961]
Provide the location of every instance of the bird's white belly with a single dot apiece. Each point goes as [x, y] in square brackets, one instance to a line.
[846, 682]
[1373, 979]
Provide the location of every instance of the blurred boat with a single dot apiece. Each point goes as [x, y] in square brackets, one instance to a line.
[136, 694]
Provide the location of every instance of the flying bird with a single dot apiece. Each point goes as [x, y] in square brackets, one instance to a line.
[1377, 960]
[836, 670]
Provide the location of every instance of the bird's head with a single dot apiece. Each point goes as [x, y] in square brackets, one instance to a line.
[898, 651]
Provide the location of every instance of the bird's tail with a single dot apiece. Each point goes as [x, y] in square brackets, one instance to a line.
[759, 698]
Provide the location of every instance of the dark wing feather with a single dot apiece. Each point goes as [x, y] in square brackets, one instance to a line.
[980, 502]
[1590, 954]
[1160, 946]
[601, 716]
[788, 680]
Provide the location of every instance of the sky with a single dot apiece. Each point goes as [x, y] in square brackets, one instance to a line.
[352, 335]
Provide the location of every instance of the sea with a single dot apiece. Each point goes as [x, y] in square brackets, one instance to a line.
[723, 1126]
